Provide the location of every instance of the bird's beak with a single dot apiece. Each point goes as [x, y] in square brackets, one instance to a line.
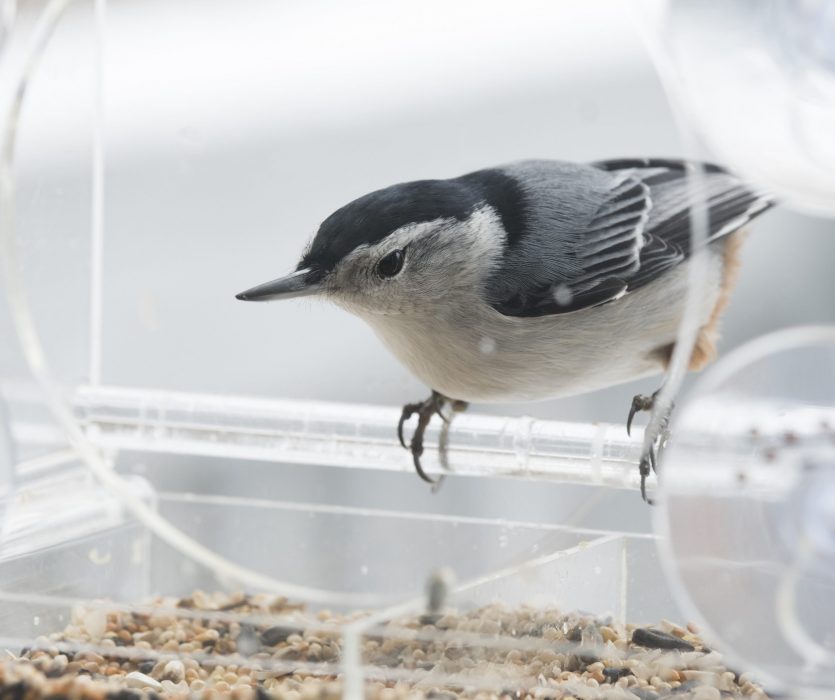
[301, 283]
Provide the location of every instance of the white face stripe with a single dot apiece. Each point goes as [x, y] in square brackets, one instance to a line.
[401, 237]
[483, 222]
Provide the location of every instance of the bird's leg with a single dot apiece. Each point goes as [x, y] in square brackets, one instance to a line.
[443, 439]
[648, 461]
[424, 410]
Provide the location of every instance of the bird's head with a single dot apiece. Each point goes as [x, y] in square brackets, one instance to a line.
[402, 249]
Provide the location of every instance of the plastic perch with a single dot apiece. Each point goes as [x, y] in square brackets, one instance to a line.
[348, 435]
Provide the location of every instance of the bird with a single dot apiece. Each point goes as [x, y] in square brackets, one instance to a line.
[531, 280]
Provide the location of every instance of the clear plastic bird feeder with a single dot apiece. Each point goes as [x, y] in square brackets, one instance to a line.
[133, 479]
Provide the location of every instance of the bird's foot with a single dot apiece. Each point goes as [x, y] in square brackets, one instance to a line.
[649, 459]
[424, 411]
[647, 403]
[640, 403]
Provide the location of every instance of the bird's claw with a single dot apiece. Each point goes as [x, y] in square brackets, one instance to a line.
[417, 451]
[425, 410]
[639, 403]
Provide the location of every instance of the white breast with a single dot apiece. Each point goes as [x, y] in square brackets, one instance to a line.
[467, 350]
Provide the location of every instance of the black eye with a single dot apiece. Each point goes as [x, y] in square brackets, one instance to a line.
[390, 265]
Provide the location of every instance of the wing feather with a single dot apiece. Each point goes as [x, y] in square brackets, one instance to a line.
[631, 225]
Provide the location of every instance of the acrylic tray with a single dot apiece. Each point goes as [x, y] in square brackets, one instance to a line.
[61, 565]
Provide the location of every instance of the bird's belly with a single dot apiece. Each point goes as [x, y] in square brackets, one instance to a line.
[482, 356]
[542, 370]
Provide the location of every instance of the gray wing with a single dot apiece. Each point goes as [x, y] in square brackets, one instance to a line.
[593, 233]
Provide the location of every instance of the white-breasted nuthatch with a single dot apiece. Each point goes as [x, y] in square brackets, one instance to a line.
[532, 280]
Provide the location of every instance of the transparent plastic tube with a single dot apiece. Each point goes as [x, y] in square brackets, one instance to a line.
[347, 435]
